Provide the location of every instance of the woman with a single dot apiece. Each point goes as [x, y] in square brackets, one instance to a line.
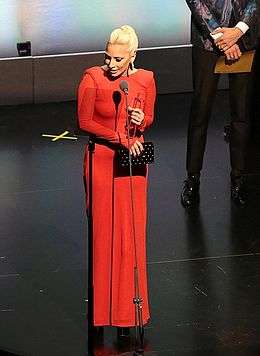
[102, 114]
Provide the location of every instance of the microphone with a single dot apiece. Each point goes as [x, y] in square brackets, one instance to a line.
[124, 86]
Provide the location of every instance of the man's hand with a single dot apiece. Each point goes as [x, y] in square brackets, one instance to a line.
[230, 36]
[233, 53]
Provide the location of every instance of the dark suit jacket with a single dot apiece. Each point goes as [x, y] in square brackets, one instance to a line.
[207, 15]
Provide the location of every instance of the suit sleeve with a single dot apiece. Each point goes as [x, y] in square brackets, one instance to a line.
[86, 102]
[202, 15]
[149, 106]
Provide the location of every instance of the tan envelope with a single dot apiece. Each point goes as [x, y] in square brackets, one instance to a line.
[242, 65]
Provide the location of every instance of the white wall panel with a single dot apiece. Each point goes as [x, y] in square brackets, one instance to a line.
[70, 26]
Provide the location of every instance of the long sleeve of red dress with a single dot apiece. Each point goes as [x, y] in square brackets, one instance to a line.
[149, 106]
[86, 102]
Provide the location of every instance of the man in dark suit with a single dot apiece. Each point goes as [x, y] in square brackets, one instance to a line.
[219, 27]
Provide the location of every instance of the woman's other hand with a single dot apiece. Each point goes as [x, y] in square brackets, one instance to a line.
[136, 148]
[136, 116]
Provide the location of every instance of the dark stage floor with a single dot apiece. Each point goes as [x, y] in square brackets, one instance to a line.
[204, 266]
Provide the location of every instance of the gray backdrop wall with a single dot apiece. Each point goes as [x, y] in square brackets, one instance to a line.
[55, 78]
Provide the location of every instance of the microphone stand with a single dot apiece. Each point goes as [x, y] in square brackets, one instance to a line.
[137, 300]
[91, 148]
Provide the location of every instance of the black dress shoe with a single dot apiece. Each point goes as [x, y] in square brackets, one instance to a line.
[97, 332]
[190, 192]
[238, 194]
[97, 335]
[123, 332]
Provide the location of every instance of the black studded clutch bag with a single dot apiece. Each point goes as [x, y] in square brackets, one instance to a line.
[146, 157]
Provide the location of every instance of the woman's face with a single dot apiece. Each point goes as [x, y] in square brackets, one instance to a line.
[117, 59]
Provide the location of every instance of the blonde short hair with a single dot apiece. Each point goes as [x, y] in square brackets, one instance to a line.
[124, 35]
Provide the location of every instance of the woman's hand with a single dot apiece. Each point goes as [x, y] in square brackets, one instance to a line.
[136, 116]
[136, 148]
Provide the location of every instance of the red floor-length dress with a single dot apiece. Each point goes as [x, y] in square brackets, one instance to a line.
[101, 111]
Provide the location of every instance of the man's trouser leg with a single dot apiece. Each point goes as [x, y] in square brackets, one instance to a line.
[239, 90]
[205, 87]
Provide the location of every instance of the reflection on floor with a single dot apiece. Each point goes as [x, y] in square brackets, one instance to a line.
[204, 266]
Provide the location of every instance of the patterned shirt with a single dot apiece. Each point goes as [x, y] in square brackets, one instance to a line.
[207, 15]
